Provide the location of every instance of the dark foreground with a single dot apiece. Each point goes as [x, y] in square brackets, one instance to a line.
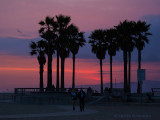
[111, 111]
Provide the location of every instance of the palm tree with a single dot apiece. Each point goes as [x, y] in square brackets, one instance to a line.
[63, 22]
[131, 46]
[97, 41]
[125, 34]
[113, 46]
[47, 33]
[141, 38]
[57, 49]
[76, 40]
[38, 48]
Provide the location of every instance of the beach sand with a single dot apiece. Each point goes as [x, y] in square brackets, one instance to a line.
[92, 112]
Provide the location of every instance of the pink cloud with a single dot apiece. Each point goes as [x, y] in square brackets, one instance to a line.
[87, 14]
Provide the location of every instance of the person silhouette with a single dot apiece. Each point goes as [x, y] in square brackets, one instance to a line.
[74, 98]
[81, 96]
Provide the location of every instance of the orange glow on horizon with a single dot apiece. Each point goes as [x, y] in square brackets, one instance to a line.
[18, 69]
[14, 73]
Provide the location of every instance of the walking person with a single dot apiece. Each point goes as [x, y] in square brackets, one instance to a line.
[81, 96]
[74, 98]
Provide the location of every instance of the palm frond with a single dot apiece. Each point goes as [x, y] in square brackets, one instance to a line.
[33, 52]
[41, 30]
[41, 23]
[33, 45]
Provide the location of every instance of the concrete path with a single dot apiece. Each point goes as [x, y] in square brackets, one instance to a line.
[69, 112]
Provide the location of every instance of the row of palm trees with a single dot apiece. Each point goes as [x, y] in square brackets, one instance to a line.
[62, 37]
[125, 36]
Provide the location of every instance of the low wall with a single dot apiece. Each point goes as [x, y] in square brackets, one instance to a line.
[45, 98]
[62, 98]
[6, 96]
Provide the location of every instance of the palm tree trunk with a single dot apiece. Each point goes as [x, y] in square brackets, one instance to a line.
[129, 72]
[101, 73]
[139, 67]
[139, 59]
[62, 73]
[49, 74]
[57, 84]
[125, 70]
[41, 77]
[111, 73]
[49, 82]
[73, 77]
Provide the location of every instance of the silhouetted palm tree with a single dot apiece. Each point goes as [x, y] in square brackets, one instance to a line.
[113, 46]
[63, 23]
[124, 30]
[131, 46]
[142, 32]
[97, 41]
[57, 49]
[76, 40]
[47, 32]
[38, 48]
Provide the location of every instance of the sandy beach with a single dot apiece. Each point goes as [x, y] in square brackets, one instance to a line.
[118, 111]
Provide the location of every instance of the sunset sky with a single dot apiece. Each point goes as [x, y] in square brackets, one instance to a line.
[19, 26]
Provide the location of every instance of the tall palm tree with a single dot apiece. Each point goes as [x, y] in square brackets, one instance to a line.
[76, 40]
[113, 46]
[38, 48]
[97, 41]
[142, 33]
[57, 49]
[63, 22]
[131, 46]
[47, 32]
[124, 30]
